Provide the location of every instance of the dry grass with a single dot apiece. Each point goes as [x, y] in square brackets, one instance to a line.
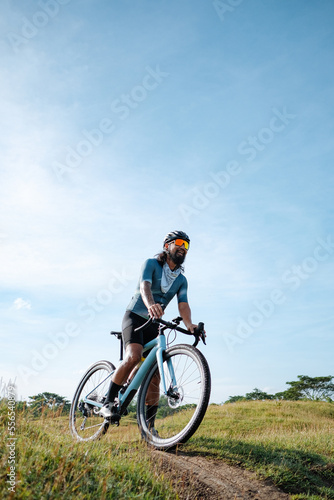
[292, 443]
[49, 464]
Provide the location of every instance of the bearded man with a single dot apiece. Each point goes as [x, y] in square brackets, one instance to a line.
[160, 280]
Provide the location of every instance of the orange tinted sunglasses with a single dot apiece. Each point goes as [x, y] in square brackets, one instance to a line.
[179, 243]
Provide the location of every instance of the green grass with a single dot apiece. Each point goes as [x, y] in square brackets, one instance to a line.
[49, 464]
[292, 443]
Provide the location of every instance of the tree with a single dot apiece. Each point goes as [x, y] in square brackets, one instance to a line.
[235, 399]
[257, 395]
[48, 401]
[291, 394]
[314, 388]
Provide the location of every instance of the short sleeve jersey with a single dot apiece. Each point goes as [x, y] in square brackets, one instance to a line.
[152, 272]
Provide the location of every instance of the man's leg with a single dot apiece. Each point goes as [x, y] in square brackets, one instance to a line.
[152, 400]
[133, 354]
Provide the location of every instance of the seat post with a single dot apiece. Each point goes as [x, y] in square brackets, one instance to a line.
[121, 349]
[119, 337]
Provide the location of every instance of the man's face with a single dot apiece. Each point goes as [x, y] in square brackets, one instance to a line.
[177, 253]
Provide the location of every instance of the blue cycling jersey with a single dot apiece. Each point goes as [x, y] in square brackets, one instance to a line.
[152, 272]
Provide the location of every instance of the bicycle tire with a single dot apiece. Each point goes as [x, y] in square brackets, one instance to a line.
[85, 423]
[180, 414]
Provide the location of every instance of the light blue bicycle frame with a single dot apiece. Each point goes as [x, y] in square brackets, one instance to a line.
[157, 346]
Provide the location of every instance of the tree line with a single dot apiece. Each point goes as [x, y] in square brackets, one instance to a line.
[305, 388]
[51, 404]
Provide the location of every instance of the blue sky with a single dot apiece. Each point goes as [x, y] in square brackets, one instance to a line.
[124, 120]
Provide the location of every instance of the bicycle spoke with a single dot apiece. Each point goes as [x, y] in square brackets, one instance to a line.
[182, 409]
[87, 402]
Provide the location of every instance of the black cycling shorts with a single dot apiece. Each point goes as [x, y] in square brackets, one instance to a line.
[131, 321]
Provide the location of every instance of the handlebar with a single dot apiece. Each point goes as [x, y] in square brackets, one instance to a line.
[174, 325]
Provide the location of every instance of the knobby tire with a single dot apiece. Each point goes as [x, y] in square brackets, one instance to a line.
[85, 423]
[180, 414]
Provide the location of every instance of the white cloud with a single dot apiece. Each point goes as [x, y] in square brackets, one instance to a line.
[21, 304]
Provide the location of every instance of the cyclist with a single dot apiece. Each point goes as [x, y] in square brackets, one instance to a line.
[160, 280]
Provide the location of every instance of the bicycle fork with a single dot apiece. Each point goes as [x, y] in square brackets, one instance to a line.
[170, 391]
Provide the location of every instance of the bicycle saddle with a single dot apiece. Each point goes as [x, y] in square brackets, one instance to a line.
[117, 334]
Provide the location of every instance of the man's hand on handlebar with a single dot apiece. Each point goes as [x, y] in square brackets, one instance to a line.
[198, 331]
[155, 311]
[191, 328]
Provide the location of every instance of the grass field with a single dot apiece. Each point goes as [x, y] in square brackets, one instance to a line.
[292, 443]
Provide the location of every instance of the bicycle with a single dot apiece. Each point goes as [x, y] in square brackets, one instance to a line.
[183, 391]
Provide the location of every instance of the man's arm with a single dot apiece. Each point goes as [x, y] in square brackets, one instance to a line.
[185, 313]
[154, 310]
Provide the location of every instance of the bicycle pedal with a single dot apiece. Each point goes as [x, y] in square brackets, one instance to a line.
[114, 419]
[114, 422]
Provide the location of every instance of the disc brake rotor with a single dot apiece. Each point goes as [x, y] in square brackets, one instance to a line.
[175, 400]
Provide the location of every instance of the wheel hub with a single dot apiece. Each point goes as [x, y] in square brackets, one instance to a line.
[175, 397]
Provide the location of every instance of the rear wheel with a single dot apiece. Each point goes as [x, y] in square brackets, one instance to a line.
[85, 422]
[181, 411]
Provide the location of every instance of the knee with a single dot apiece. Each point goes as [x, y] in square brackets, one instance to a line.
[133, 358]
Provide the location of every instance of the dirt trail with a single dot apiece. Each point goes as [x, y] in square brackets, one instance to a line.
[201, 478]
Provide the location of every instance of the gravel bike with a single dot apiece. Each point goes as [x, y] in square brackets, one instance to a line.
[182, 383]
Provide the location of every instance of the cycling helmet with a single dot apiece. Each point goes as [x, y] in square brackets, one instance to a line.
[174, 235]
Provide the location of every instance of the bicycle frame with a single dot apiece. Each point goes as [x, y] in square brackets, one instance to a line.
[157, 347]
[174, 378]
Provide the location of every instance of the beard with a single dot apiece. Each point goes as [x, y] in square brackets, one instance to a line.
[177, 257]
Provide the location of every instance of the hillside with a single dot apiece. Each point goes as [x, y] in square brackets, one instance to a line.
[291, 444]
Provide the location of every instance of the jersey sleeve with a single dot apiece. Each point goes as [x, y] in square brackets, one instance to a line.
[147, 271]
[182, 294]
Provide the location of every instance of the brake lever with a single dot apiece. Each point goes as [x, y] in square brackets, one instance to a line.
[199, 334]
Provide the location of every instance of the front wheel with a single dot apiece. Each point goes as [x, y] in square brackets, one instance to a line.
[178, 413]
[85, 422]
